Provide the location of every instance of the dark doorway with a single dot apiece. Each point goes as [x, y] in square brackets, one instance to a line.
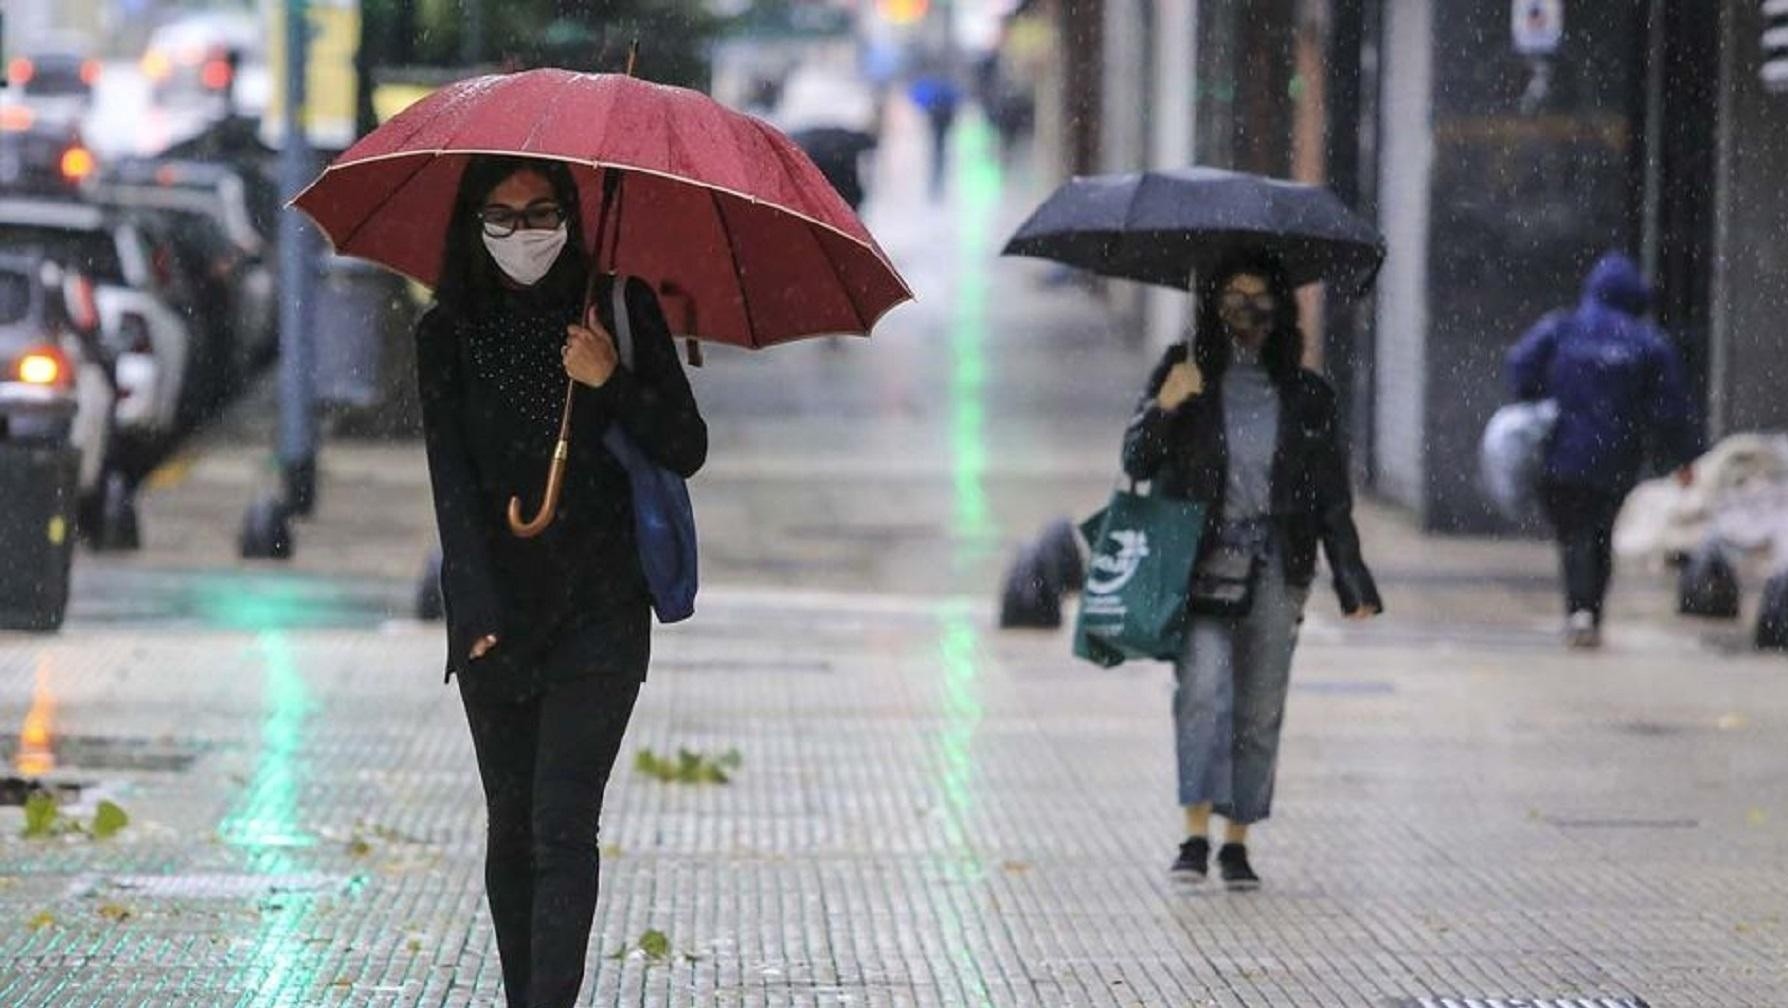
[1683, 158]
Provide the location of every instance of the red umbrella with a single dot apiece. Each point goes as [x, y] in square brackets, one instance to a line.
[743, 238]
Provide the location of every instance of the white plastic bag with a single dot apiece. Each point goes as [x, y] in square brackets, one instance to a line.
[1512, 453]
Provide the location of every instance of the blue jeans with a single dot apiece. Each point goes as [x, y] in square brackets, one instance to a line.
[1229, 699]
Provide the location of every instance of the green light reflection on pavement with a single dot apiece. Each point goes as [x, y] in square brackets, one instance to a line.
[959, 644]
[233, 602]
[977, 201]
[264, 824]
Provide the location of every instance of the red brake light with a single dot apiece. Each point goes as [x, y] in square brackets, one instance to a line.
[43, 366]
[216, 74]
[21, 70]
[16, 118]
[83, 306]
[90, 72]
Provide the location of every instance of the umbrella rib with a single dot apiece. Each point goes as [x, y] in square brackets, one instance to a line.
[837, 274]
[565, 86]
[738, 269]
[782, 156]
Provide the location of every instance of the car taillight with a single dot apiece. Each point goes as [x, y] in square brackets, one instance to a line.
[77, 164]
[90, 72]
[43, 366]
[20, 71]
[16, 118]
[83, 304]
[216, 74]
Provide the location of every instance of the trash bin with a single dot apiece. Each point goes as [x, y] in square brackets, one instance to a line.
[365, 363]
[358, 307]
[39, 485]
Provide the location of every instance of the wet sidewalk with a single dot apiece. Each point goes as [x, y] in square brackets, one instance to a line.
[926, 811]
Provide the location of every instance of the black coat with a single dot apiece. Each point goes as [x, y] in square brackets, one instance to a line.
[1185, 454]
[572, 601]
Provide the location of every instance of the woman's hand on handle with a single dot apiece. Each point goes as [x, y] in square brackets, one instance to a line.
[590, 354]
[1183, 382]
[482, 646]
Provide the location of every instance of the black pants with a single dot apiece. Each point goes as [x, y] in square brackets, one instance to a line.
[1583, 519]
[544, 763]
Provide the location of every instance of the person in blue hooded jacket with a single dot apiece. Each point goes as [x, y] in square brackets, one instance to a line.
[1619, 388]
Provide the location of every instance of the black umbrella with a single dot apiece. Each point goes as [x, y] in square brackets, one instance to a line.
[838, 153]
[1158, 226]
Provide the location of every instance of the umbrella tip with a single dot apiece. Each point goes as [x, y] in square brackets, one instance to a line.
[632, 56]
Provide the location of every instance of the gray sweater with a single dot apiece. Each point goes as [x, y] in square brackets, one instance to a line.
[1251, 427]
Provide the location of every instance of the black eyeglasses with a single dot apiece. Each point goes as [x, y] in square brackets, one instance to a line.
[501, 221]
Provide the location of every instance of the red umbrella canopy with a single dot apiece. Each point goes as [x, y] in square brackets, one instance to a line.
[743, 238]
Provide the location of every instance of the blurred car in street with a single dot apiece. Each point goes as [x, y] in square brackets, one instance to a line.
[146, 310]
[56, 77]
[55, 380]
[42, 154]
[197, 57]
[206, 214]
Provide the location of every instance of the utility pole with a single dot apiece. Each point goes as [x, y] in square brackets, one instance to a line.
[297, 349]
[266, 530]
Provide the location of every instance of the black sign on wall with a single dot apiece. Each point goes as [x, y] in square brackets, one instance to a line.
[1775, 45]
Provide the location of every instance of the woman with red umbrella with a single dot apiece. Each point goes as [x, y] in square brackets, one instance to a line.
[548, 616]
[548, 634]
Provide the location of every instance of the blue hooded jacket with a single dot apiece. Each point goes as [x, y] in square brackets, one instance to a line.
[1616, 379]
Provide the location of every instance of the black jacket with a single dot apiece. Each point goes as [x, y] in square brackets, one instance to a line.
[573, 600]
[1185, 454]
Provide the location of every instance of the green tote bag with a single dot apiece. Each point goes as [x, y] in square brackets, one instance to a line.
[1133, 604]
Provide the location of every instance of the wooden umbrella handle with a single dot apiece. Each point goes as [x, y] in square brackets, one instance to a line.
[555, 479]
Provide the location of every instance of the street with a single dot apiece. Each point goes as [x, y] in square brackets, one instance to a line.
[926, 810]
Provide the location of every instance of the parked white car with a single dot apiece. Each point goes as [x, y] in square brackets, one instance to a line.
[53, 381]
[143, 302]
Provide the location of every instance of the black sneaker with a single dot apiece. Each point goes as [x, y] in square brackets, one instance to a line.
[1238, 875]
[1194, 862]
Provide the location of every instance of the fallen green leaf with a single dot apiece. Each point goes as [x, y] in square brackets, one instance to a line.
[108, 820]
[42, 920]
[655, 944]
[41, 816]
[115, 912]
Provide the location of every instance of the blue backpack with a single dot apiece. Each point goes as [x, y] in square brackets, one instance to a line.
[663, 518]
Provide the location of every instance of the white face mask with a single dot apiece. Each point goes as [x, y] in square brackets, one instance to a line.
[528, 254]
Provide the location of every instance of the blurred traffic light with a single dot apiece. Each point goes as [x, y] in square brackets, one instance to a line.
[903, 12]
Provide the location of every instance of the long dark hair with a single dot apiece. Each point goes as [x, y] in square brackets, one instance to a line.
[1283, 353]
[470, 283]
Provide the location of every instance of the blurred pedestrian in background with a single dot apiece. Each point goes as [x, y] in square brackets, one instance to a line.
[937, 94]
[1618, 384]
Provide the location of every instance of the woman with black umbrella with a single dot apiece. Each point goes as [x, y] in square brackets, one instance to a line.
[1241, 427]
[549, 635]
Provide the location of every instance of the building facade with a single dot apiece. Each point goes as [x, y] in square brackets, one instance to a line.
[1501, 148]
